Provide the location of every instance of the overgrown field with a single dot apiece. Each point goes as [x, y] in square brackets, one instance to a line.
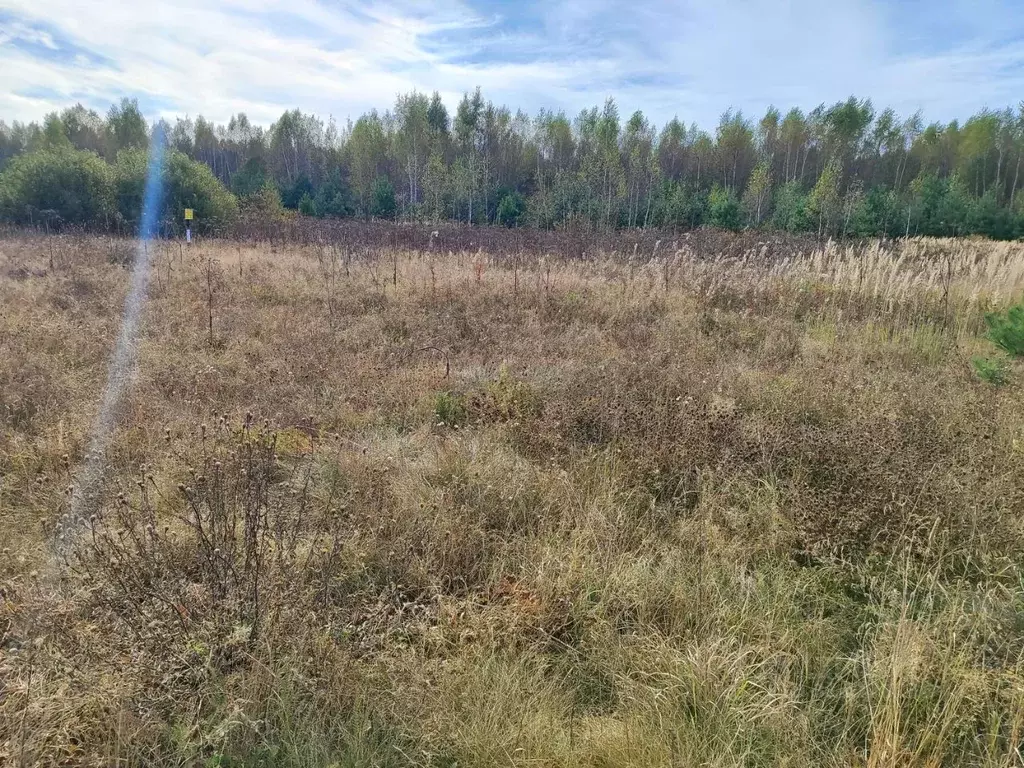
[394, 508]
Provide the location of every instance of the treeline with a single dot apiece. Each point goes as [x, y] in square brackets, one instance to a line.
[839, 170]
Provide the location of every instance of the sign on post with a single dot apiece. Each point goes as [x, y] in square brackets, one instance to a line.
[188, 214]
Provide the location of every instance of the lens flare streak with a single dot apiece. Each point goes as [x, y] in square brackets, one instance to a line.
[123, 362]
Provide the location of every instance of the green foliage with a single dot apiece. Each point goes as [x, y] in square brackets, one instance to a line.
[54, 135]
[78, 187]
[365, 152]
[1006, 330]
[511, 399]
[823, 204]
[251, 178]
[758, 192]
[130, 184]
[450, 409]
[790, 212]
[986, 216]
[723, 209]
[334, 198]
[840, 170]
[306, 206]
[678, 206]
[292, 194]
[876, 213]
[264, 205]
[126, 127]
[511, 209]
[994, 371]
[435, 186]
[190, 184]
[187, 184]
[74, 186]
[953, 208]
[926, 194]
[383, 201]
[945, 207]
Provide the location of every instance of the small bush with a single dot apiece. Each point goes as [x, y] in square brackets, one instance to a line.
[1006, 331]
[510, 399]
[724, 208]
[74, 187]
[994, 371]
[239, 533]
[511, 209]
[450, 409]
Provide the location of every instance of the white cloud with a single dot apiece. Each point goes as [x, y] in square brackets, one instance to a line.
[693, 58]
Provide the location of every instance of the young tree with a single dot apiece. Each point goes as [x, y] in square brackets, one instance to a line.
[953, 212]
[437, 120]
[412, 113]
[672, 148]
[678, 206]
[735, 145]
[53, 136]
[769, 141]
[723, 208]
[639, 164]
[875, 214]
[824, 200]
[366, 151]
[334, 197]
[510, 209]
[126, 128]
[435, 186]
[251, 178]
[468, 141]
[264, 205]
[84, 128]
[790, 212]
[794, 135]
[384, 205]
[845, 124]
[758, 192]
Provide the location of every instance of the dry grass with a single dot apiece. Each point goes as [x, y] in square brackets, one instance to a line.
[472, 510]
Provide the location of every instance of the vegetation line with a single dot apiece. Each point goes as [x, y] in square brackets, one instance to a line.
[836, 171]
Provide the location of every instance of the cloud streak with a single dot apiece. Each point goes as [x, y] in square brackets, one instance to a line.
[694, 58]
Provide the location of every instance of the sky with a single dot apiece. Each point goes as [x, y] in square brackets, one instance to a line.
[688, 58]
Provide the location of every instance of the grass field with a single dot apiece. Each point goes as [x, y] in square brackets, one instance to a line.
[464, 509]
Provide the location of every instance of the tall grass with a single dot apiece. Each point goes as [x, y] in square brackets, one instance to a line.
[465, 509]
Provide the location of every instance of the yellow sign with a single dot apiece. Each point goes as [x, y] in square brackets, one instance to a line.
[188, 214]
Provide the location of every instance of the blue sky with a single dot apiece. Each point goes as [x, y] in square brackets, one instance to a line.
[691, 58]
